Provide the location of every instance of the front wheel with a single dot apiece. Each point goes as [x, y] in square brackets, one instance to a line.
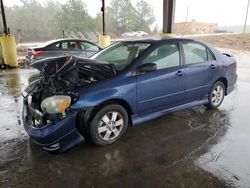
[108, 125]
[216, 95]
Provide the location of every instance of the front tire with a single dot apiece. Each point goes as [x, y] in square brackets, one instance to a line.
[108, 125]
[216, 95]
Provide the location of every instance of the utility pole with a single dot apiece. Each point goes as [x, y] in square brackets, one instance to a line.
[186, 20]
[187, 13]
[103, 18]
[104, 39]
[5, 28]
[244, 30]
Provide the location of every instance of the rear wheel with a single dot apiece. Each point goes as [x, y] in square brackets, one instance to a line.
[216, 95]
[108, 125]
[3, 66]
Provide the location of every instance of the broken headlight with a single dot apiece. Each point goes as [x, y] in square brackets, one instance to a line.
[55, 104]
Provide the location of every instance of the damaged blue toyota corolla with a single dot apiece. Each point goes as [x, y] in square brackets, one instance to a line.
[129, 82]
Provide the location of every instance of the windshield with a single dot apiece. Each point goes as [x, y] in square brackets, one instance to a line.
[121, 54]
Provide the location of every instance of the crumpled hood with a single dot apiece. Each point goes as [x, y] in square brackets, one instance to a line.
[58, 66]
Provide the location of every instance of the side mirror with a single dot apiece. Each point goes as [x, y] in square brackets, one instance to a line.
[148, 67]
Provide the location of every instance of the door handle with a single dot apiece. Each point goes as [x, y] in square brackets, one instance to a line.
[212, 66]
[179, 73]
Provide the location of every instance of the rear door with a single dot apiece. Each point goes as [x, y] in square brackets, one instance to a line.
[200, 68]
[163, 88]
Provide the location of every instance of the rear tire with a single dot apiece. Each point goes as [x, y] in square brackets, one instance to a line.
[108, 125]
[216, 95]
[3, 66]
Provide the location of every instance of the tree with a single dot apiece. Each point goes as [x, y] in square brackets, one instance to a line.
[145, 16]
[72, 16]
[35, 21]
[29, 21]
[121, 15]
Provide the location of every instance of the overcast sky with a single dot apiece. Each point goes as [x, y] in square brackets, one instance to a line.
[223, 12]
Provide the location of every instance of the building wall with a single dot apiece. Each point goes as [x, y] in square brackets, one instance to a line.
[194, 27]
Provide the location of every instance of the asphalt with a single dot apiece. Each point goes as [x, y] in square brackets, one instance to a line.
[191, 148]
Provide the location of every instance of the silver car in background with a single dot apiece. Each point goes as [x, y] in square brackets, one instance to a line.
[62, 47]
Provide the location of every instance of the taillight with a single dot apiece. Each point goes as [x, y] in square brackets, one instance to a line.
[36, 53]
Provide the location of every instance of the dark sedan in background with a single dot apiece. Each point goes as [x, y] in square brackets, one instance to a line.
[59, 47]
[128, 82]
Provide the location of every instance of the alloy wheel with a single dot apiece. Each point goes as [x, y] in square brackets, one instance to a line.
[217, 95]
[110, 125]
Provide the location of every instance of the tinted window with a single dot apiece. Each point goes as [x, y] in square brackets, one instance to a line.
[195, 53]
[56, 45]
[69, 45]
[88, 46]
[165, 56]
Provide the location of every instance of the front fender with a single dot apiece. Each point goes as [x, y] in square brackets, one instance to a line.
[97, 94]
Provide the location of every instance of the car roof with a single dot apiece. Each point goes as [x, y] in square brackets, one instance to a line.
[157, 40]
[61, 40]
[66, 39]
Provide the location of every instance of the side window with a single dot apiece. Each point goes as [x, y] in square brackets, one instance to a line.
[69, 45]
[89, 46]
[164, 56]
[55, 46]
[58, 45]
[195, 53]
[64, 45]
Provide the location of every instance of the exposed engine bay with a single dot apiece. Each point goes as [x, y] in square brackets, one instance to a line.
[60, 75]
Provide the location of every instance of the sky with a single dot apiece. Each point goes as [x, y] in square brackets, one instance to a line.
[223, 12]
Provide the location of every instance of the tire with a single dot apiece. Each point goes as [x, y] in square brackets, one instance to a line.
[3, 66]
[216, 95]
[108, 125]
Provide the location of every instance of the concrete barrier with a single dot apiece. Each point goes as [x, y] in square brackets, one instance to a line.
[104, 41]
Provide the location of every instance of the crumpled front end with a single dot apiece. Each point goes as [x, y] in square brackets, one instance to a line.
[54, 133]
[47, 116]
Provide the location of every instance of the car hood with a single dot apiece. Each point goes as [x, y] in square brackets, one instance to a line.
[59, 66]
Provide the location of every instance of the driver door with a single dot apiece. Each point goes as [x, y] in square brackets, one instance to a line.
[163, 88]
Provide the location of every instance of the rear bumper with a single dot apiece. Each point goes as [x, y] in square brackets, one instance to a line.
[231, 87]
[57, 137]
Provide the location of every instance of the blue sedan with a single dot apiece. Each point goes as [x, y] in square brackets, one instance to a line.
[127, 83]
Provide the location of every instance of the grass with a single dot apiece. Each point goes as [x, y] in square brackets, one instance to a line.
[231, 41]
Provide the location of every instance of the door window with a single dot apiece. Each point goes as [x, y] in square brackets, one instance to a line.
[196, 53]
[164, 56]
[69, 45]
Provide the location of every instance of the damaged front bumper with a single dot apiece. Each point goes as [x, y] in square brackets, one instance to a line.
[57, 137]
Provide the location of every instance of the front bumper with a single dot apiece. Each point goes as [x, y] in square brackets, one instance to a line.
[57, 137]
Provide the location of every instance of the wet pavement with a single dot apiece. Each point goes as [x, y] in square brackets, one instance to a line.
[191, 148]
